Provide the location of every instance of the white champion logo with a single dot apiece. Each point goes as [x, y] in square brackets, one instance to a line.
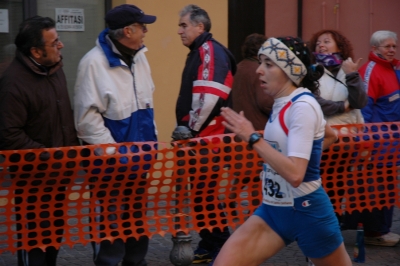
[306, 203]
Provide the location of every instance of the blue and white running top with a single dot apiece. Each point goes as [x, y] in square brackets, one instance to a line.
[296, 128]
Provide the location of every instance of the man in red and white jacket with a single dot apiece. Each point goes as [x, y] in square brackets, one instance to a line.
[206, 87]
[207, 77]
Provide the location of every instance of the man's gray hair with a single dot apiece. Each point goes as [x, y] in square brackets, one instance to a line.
[197, 15]
[378, 37]
[118, 33]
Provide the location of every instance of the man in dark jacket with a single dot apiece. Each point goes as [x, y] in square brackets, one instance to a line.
[207, 77]
[35, 111]
[206, 87]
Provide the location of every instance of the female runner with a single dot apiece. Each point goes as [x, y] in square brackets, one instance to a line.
[295, 207]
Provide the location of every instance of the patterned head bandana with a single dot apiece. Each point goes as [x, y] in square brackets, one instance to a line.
[281, 55]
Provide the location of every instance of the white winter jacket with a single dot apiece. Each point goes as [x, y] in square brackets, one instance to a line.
[112, 102]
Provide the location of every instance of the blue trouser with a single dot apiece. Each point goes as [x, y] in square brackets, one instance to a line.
[380, 220]
[37, 257]
[132, 252]
[211, 241]
[377, 221]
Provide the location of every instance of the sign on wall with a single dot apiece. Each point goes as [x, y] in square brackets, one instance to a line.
[70, 19]
[4, 20]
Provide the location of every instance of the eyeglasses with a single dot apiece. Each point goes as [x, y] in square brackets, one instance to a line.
[56, 43]
[387, 47]
[142, 25]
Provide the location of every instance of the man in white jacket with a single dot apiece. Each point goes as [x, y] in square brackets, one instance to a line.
[114, 103]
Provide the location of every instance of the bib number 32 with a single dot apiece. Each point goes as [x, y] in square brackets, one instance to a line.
[272, 189]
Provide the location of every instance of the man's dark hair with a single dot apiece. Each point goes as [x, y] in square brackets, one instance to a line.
[30, 33]
[252, 44]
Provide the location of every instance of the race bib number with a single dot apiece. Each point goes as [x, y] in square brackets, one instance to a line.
[276, 190]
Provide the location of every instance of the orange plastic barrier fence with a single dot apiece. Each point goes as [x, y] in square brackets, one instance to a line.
[64, 196]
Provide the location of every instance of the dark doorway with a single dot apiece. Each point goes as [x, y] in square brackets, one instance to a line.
[244, 18]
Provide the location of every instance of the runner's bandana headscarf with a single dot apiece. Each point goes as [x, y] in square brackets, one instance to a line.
[281, 55]
[328, 60]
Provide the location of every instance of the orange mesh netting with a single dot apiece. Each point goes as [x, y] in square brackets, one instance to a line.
[64, 196]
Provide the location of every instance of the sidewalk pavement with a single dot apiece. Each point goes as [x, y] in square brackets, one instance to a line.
[160, 247]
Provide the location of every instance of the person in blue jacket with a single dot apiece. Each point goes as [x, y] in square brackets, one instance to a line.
[381, 75]
[114, 103]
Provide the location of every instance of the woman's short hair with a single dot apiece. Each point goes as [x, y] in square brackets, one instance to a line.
[343, 44]
[378, 37]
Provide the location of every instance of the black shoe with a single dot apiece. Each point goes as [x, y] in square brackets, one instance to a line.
[214, 256]
[202, 255]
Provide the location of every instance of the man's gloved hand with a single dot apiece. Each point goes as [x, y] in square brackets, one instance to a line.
[181, 132]
[111, 150]
[107, 150]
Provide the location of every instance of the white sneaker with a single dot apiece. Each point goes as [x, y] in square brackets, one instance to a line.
[394, 235]
[388, 240]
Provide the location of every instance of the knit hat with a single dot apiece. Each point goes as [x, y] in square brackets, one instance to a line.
[124, 15]
[281, 55]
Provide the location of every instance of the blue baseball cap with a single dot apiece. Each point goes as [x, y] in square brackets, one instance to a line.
[124, 15]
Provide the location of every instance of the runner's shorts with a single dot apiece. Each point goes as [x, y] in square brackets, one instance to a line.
[311, 222]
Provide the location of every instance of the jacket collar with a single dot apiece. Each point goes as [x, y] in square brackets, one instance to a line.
[36, 67]
[373, 57]
[206, 36]
[111, 52]
[202, 38]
